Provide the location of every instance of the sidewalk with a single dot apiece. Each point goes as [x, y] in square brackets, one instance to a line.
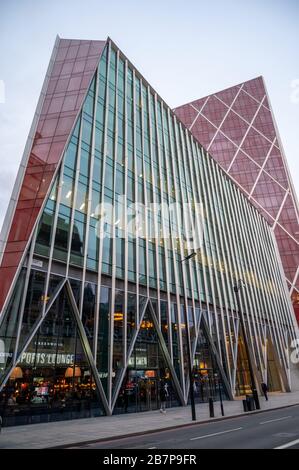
[39, 436]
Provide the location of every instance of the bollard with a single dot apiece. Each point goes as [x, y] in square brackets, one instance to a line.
[222, 408]
[250, 402]
[245, 405]
[211, 407]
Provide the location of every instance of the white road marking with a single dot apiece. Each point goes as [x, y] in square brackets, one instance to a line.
[289, 444]
[152, 447]
[277, 419]
[215, 434]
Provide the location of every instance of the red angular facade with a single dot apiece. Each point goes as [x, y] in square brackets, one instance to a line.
[71, 69]
[238, 129]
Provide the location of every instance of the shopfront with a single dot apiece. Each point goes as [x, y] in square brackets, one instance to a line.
[52, 380]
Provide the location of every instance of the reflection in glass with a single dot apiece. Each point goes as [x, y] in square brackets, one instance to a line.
[164, 321]
[103, 336]
[44, 235]
[67, 191]
[33, 306]
[131, 318]
[118, 333]
[77, 245]
[207, 378]
[9, 325]
[62, 234]
[146, 374]
[88, 309]
[175, 339]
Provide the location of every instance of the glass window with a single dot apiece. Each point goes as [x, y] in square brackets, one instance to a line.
[35, 299]
[120, 253]
[118, 333]
[67, 191]
[84, 162]
[164, 321]
[77, 246]
[107, 255]
[92, 248]
[142, 262]
[88, 310]
[103, 336]
[70, 156]
[9, 325]
[131, 318]
[44, 235]
[62, 234]
[81, 199]
[131, 260]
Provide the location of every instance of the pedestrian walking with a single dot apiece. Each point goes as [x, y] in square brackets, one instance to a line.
[163, 398]
[265, 390]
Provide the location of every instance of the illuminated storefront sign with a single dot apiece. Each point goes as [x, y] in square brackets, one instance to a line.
[138, 361]
[46, 359]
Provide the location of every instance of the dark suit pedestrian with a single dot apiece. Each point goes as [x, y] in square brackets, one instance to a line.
[163, 398]
[265, 390]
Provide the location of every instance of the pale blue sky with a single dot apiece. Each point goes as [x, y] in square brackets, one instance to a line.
[185, 49]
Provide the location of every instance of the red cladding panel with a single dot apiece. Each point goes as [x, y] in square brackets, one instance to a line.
[214, 110]
[227, 96]
[223, 150]
[255, 88]
[203, 128]
[245, 171]
[245, 106]
[7, 275]
[234, 127]
[256, 146]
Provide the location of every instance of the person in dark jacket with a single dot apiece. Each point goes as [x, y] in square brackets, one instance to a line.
[265, 390]
[163, 398]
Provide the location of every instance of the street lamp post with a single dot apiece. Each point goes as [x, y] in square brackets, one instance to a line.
[189, 354]
[252, 379]
[220, 392]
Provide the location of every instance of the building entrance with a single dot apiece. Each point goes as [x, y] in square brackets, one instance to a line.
[140, 391]
[147, 392]
[146, 374]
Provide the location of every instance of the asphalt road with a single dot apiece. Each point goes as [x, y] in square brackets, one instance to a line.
[268, 430]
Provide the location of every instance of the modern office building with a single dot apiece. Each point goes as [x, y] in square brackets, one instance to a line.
[237, 127]
[122, 240]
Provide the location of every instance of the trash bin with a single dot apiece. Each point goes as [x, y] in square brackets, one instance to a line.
[245, 405]
[250, 402]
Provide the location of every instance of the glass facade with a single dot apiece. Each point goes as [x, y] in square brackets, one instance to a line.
[139, 244]
[52, 379]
